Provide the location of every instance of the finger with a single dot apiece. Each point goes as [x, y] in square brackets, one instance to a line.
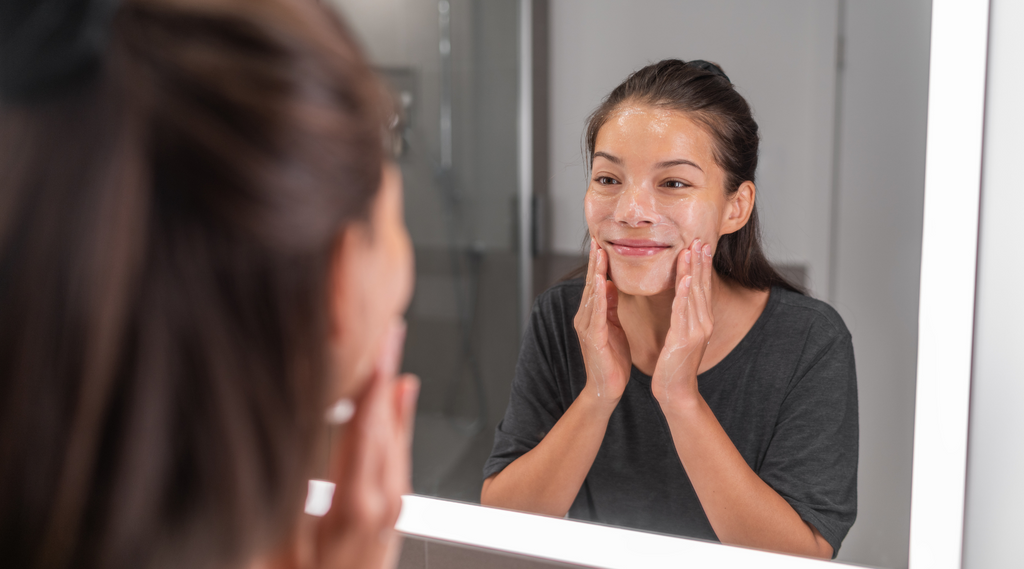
[410, 396]
[703, 287]
[390, 355]
[612, 301]
[699, 268]
[681, 305]
[592, 261]
[582, 320]
[709, 262]
[709, 270]
[683, 262]
[395, 461]
[599, 318]
[693, 292]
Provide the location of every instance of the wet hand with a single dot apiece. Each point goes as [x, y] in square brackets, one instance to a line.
[675, 375]
[602, 339]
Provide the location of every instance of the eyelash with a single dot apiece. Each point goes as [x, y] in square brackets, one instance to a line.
[608, 180]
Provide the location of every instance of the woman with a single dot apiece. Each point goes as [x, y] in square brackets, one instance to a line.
[201, 250]
[685, 386]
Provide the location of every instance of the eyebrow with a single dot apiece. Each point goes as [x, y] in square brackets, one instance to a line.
[677, 162]
[659, 165]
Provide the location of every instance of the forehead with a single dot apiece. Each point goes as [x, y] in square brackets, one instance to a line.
[649, 133]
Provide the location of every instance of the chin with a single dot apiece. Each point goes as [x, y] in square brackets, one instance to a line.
[643, 280]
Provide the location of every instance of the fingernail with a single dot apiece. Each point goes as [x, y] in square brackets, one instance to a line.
[412, 393]
[686, 255]
[707, 250]
[686, 281]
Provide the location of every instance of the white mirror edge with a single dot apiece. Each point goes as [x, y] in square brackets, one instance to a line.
[949, 247]
[956, 95]
[570, 541]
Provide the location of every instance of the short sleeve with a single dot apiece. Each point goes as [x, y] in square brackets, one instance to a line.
[811, 460]
[540, 392]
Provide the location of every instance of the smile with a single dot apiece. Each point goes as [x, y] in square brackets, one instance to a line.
[638, 247]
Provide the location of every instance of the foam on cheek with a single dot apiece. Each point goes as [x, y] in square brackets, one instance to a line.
[695, 220]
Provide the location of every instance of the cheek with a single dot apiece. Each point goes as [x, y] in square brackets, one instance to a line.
[597, 208]
[695, 219]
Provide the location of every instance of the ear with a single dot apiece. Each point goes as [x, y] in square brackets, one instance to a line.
[739, 207]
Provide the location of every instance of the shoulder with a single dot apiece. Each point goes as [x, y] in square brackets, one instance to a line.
[561, 300]
[806, 316]
[812, 337]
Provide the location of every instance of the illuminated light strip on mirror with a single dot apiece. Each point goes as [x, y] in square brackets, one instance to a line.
[956, 97]
[569, 541]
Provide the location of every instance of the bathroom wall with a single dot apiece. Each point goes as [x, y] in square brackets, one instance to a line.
[877, 254]
[995, 455]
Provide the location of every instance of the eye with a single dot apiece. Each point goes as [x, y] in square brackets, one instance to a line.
[606, 180]
[676, 184]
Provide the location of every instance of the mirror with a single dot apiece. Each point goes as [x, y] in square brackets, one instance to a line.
[840, 91]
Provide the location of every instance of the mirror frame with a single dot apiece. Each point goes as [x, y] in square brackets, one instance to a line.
[956, 97]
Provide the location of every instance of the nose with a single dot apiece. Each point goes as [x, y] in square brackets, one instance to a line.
[636, 206]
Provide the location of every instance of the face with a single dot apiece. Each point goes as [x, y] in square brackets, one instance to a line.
[654, 188]
[372, 285]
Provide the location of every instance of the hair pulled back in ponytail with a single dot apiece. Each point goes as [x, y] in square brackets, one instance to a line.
[703, 91]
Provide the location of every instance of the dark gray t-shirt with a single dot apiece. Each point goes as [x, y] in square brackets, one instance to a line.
[786, 396]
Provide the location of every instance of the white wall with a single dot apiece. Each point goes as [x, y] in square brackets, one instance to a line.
[878, 254]
[779, 54]
[995, 466]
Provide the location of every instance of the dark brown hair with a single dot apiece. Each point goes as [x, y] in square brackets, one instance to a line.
[704, 92]
[166, 236]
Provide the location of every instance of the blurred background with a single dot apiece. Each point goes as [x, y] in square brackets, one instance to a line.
[494, 96]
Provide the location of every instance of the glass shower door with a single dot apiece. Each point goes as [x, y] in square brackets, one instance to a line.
[455, 68]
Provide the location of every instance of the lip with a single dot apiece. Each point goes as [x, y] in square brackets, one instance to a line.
[638, 247]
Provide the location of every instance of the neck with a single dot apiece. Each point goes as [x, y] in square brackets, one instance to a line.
[646, 319]
[649, 317]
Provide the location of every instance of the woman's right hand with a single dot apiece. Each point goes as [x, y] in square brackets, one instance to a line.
[602, 339]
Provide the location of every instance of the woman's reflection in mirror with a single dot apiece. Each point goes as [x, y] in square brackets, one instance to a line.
[684, 386]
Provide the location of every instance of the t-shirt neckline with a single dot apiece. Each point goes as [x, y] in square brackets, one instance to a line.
[738, 352]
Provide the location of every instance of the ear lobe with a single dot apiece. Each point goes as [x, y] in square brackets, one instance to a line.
[740, 208]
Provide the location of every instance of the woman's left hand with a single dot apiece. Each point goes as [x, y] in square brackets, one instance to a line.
[675, 374]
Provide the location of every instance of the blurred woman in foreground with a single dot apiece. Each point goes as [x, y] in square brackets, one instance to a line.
[201, 250]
